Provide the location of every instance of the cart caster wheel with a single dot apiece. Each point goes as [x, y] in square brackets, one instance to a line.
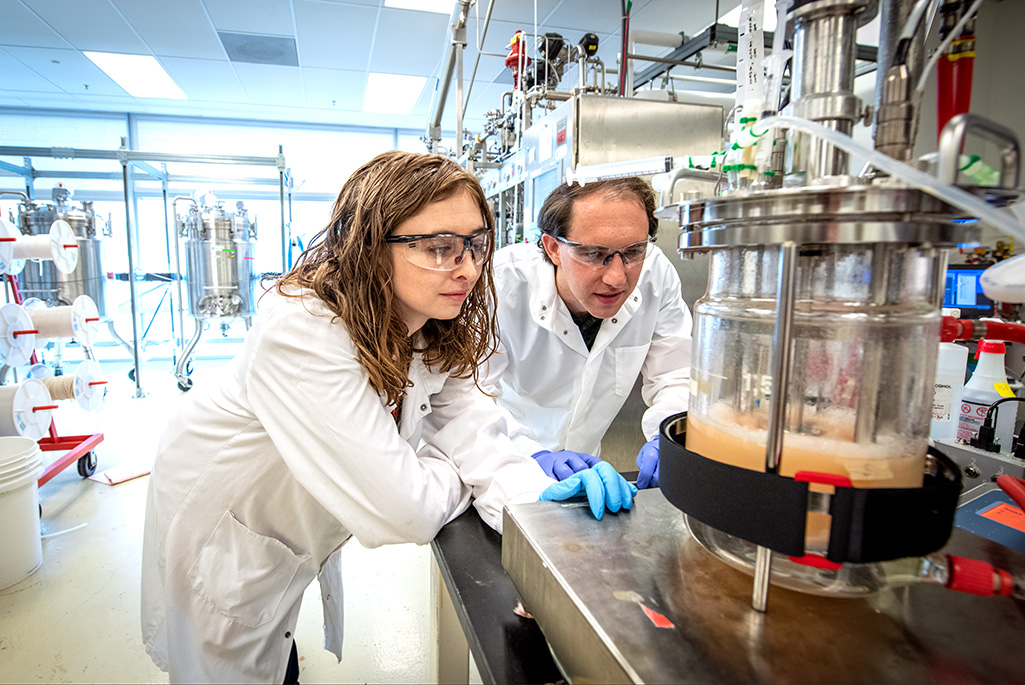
[87, 464]
[131, 374]
[185, 385]
[188, 368]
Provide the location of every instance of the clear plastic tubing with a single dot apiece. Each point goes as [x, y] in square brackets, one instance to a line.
[918, 179]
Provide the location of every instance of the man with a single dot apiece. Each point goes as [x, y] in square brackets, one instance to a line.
[582, 316]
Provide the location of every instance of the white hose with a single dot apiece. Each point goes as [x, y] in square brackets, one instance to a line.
[913, 177]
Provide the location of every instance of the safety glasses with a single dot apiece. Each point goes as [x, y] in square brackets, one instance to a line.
[443, 251]
[596, 255]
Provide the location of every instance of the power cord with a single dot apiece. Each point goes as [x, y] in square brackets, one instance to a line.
[986, 439]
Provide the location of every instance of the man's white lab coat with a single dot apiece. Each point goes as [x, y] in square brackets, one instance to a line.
[261, 478]
[549, 381]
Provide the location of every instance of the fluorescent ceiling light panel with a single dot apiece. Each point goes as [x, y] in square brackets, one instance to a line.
[141, 76]
[392, 93]
[439, 6]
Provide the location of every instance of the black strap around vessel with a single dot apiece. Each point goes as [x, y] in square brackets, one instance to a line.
[868, 524]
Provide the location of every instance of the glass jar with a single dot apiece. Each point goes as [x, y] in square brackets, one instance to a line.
[859, 398]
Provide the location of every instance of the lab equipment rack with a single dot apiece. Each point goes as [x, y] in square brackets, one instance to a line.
[79, 447]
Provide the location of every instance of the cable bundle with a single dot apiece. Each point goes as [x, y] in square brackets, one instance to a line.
[60, 245]
[79, 321]
[52, 322]
[60, 387]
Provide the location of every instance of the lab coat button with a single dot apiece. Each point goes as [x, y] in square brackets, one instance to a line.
[542, 318]
[288, 634]
[615, 321]
[544, 308]
[423, 407]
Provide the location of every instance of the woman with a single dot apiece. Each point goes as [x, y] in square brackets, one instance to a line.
[367, 347]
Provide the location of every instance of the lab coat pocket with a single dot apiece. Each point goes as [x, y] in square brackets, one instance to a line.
[629, 361]
[244, 574]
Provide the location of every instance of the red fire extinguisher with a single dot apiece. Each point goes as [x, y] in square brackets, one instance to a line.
[512, 60]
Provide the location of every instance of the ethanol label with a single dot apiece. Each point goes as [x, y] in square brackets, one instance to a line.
[972, 416]
[943, 399]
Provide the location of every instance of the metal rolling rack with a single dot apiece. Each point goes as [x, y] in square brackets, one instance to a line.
[79, 447]
[131, 160]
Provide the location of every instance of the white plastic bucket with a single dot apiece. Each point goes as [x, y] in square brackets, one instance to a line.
[21, 464]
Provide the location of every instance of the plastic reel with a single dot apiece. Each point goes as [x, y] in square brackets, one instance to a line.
[85, 320]
[63, 246]
[7, 232]
[16, 350]
[89, 393]
[29, 421]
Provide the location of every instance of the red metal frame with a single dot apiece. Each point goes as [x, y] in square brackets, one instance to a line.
[77, 445]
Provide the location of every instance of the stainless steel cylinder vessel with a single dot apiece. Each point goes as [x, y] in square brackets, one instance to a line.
[219, 249]
[43, 280]
[825, 44]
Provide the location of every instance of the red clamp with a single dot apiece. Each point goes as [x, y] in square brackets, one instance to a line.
[817, 560]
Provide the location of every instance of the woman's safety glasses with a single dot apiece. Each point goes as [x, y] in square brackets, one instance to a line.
[596, 255]
[443, 251]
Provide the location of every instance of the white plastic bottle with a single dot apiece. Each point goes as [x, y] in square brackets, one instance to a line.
[951, 366]
[987, 385]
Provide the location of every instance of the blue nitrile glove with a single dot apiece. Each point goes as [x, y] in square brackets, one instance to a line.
[564, 463]
[647, 462]
[601, 483]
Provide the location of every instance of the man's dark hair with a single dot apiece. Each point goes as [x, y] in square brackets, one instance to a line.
[557, 211]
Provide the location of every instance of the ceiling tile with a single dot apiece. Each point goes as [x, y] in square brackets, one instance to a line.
[365, 3]
[273, 17]
[409, 43]
[204, 79]
[89, 25]
[517, 12]
[109, 103]
[69, 70]
[333, 88]
[162, 106]
[180, 28]
[14, 75]
[333, 35]
[266, 84]
[10, 100]
[50, 100]
[690, 16]
[20, 26]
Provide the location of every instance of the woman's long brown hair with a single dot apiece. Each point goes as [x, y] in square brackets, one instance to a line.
[348, 265]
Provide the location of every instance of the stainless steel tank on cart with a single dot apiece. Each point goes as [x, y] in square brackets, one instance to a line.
[43, 280]
[219, 255]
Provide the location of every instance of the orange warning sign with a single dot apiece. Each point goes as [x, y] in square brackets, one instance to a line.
[1007, 514]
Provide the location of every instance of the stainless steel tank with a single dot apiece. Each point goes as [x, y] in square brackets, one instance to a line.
[219, 255]
[43, 280]
[219, 249]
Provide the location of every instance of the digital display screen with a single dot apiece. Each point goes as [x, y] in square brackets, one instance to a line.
[962, 289]
[994, 516]
[1005, 513]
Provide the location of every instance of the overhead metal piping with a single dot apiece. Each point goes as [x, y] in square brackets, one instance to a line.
[476, 63]
[459, 16]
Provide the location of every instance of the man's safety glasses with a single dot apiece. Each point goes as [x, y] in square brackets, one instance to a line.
[596, 255]
[442, 251]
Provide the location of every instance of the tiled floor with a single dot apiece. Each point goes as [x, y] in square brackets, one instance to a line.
[76, 619]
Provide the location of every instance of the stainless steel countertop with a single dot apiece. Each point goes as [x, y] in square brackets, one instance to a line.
[588, 583]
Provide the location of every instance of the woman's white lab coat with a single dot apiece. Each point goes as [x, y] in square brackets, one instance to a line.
[262, 477]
